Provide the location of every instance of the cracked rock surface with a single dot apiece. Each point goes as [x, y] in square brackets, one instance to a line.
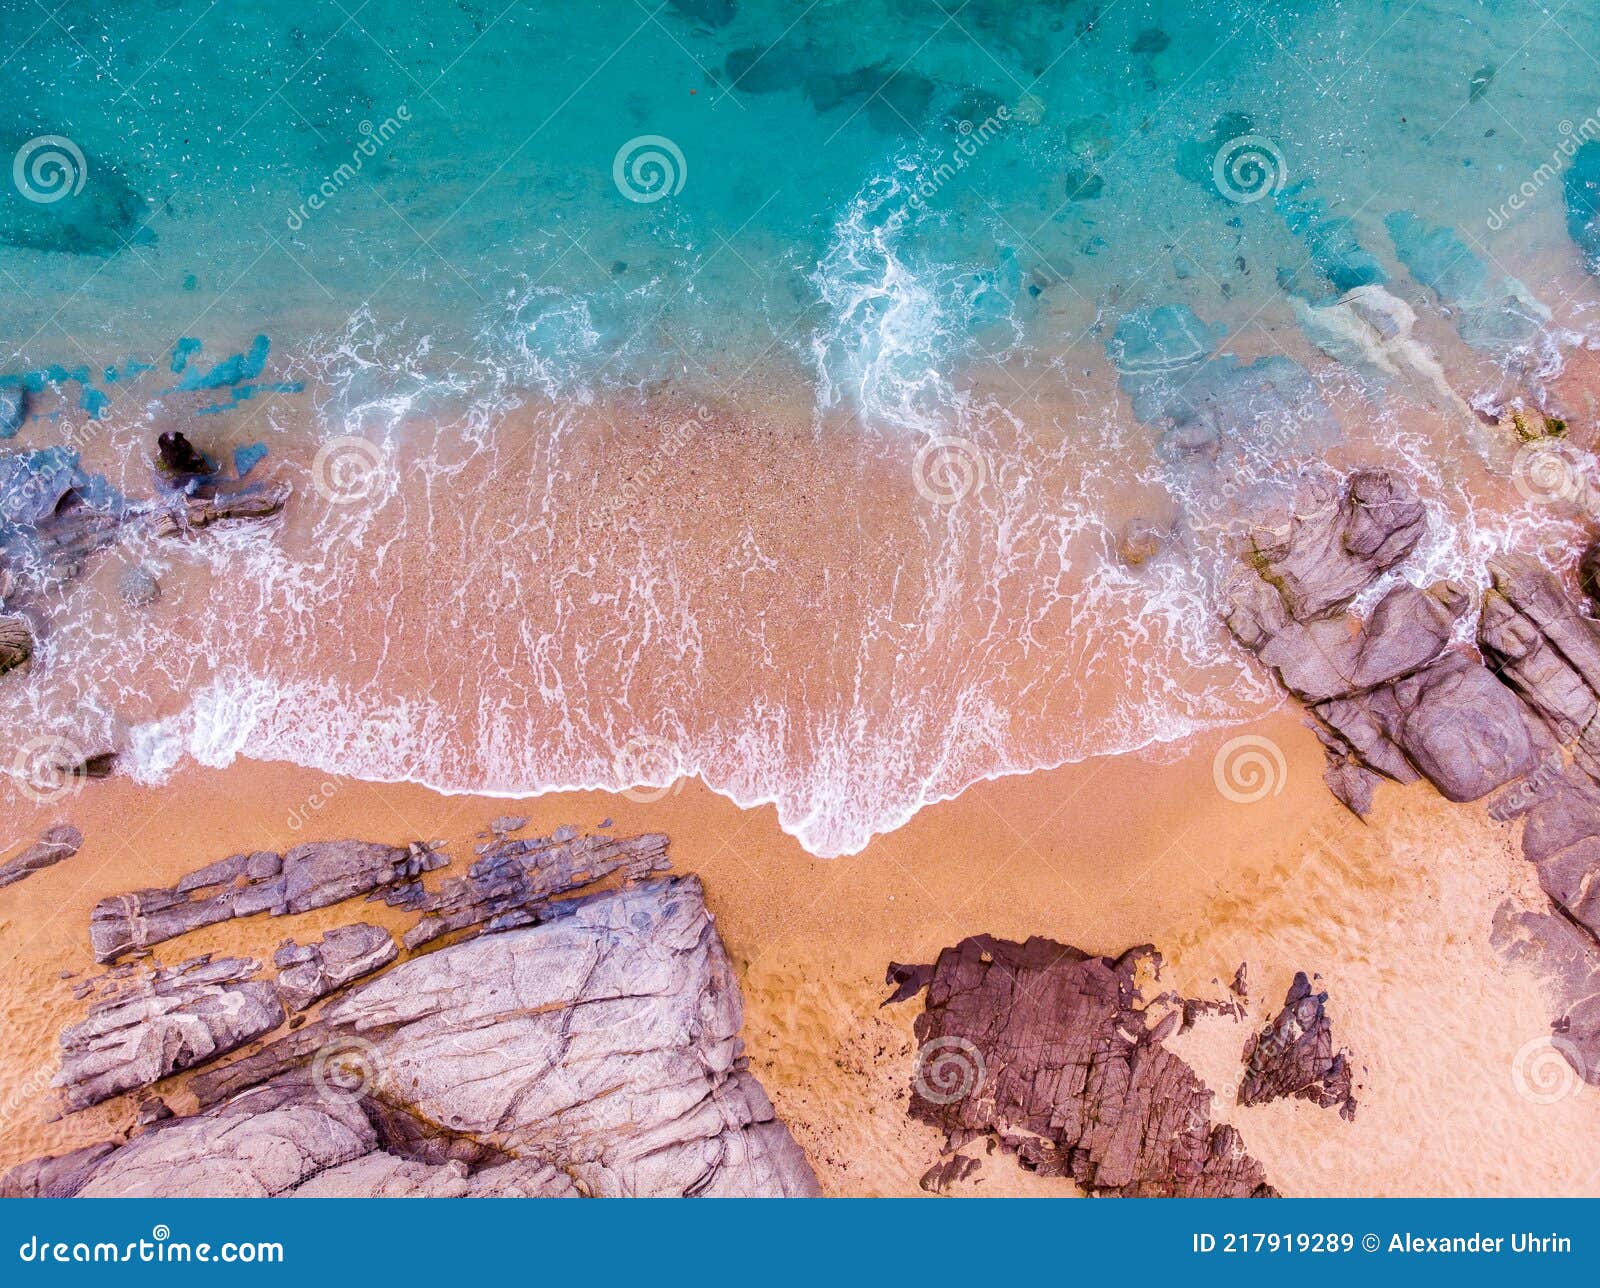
[588, 1047]
[1049, 1051]
[1295, 1056]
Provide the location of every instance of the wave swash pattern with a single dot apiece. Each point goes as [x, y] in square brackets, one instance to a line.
[841, 477]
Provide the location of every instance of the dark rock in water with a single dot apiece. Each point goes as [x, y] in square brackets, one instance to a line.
[90, 208]
[900, 104]
[1491, 311]
[1083, 185]
[1052, 1052]
[1140, 541]
[756, 69]
[138, 588]
[13, 409]
[973, 107]
[1582, 191]
[1196, 157]
[53, 515]
[16, 642]
[1336, 252]
[1478, 83]
[714, 13]
[178, 458]
[309, 972]
[164, 1021]
[596, 1054]
[1165, 363]
[54, 844]
[1152, 40]
[1294, 1056]
[308, 876]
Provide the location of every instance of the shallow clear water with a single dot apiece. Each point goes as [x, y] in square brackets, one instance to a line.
[1103, 248]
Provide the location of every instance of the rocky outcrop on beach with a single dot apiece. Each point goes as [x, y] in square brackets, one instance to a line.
[164, 1021]
[1390, 697]
[1393, 698]
[513, 879]
[54, 844]
[586, 1043]
[1055, 1054]
[309, 972]
[306, 877]
[1294, 1056]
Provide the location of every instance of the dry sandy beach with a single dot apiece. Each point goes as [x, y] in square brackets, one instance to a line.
[1393, 914]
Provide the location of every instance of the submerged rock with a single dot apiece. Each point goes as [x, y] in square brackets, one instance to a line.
[88, 207]
[138, 587]
[13, 409]
[1050, 1052]
[1582, 190]
[713, 13]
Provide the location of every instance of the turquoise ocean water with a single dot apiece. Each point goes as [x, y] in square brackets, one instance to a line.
[910, 220]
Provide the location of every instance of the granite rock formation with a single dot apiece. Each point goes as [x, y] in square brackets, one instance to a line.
[512, 880]
[309, 972]
[165, 1021]
[54, 844]
[1294, 1056]
[1391, 697]
[1054, 1054]
[584, 1044]
[309, 876]
[1394, 698]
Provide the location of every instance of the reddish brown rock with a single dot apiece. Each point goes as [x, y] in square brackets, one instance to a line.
[1050, 1052]
[1295, 1056]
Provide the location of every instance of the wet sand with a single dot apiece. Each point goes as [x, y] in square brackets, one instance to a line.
[1394, 915]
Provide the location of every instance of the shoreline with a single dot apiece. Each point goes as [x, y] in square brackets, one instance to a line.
[1103, 855]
